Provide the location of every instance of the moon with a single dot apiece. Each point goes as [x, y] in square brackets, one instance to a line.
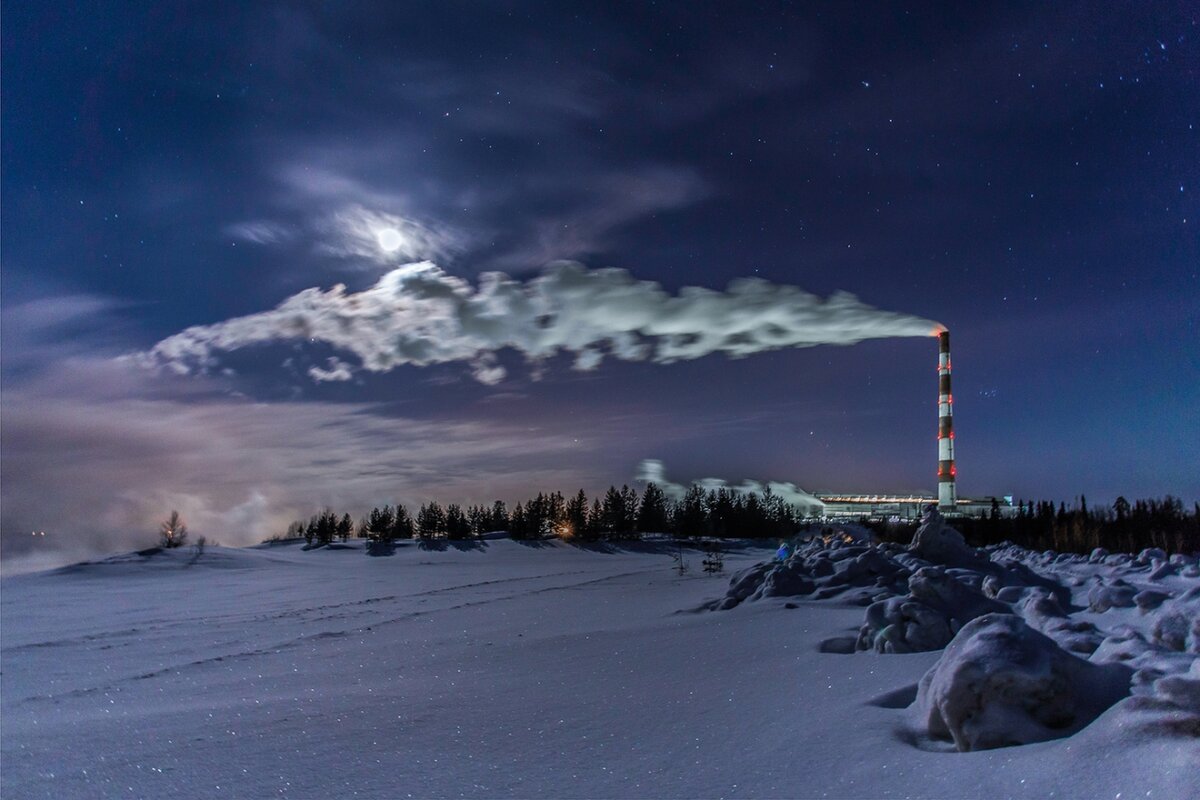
[389, 239]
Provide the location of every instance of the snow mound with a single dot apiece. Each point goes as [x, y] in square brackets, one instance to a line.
[1037, 644]
[1000, 683]
[1182, 691]
[1169, 706]
[1111, 594]
[1042, 610]
[154, 560]
[822, 569]
[938, 604]
[1176, 624]
[937, 542]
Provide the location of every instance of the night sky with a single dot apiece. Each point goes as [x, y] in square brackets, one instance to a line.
[1026, 175]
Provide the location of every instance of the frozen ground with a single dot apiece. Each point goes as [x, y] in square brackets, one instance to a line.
[556, 671]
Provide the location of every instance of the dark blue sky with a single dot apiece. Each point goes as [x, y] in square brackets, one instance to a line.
[1026, 174]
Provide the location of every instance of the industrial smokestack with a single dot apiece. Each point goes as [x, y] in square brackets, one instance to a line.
[947, 473]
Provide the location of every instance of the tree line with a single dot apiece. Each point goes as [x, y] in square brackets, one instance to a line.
[1042, 525]
[620, 514]
[625, 514]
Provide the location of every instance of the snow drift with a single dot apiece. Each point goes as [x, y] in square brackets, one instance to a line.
[1002, 683]
[1030, 650]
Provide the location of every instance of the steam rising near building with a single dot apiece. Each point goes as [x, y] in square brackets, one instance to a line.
[878, 505]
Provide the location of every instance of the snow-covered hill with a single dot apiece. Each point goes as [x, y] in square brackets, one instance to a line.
[506, 669]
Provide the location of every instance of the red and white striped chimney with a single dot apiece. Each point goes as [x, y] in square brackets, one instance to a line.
[947, 473]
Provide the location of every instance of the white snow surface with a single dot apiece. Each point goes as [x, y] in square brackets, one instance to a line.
[549, 670]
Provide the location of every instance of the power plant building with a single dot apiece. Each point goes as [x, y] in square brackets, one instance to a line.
[910, 507]
[905, 507]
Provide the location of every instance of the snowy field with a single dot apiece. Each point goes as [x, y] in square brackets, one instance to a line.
[548, 670]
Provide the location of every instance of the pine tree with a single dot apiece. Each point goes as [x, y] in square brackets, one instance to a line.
[516, 523]
[652, 516]
[173, 531]
[629, 510]
[402, 523]
[457, 527]
[478, 520]
[614, 512]
[380, 524]
[499, 516]
[721, 505]
[556, 512]
[779, 515]
[345, 527]
[537, 517]
[431, 520]
[1121, 508]
[327, 526]
[693, 513]
[576, 516]
[595, 523]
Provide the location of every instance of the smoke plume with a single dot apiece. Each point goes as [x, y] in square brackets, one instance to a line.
[420, 315]
[651, 470]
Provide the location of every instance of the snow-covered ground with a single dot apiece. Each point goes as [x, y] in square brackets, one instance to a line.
[548, 670]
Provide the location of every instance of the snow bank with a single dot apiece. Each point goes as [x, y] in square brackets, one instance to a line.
[1037, 643]
[476, 664]
[1000, 683]
[821, 570]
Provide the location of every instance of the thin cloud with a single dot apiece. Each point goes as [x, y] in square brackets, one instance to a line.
[261, 232]
[97, 470]
[335, 370]
[380, 237]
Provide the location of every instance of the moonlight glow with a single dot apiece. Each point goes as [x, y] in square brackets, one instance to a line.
[390, 239]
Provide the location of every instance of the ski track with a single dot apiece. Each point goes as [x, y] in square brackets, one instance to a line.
[151, 626]
[299, 641]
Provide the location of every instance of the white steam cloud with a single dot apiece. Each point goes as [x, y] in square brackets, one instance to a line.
[652, 470]
[420, 315]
